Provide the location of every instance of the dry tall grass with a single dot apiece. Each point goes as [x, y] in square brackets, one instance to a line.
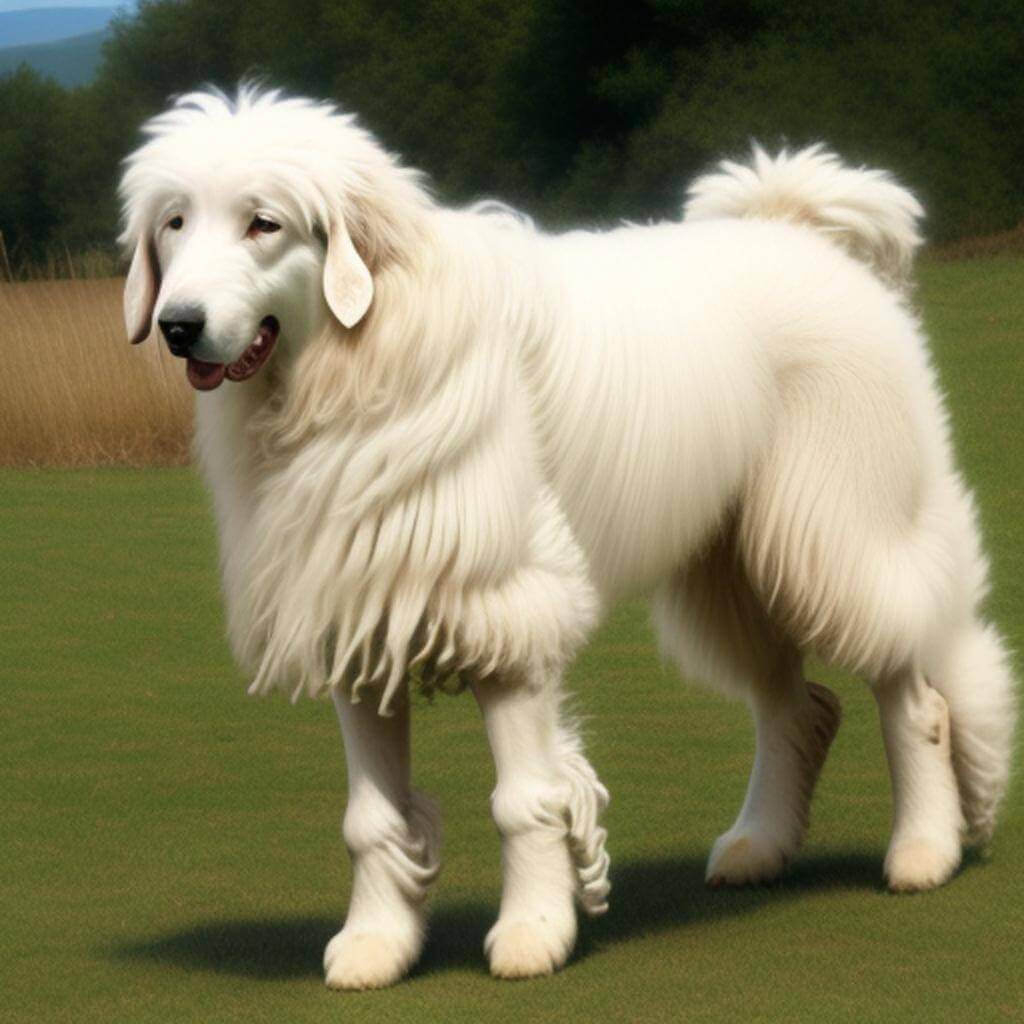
[74, 392]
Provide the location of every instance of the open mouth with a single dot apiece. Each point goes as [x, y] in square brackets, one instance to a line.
[208, 376]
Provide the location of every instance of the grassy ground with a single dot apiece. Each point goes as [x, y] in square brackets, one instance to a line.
[170, 848]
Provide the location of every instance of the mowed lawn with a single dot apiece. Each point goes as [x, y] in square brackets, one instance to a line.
[170, 848]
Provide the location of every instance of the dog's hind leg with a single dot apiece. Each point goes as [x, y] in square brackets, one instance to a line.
[393, 835]
[546, 804]
[860, 535]
[795, 722]
[971, 669]
[710, 620]
[925, 847]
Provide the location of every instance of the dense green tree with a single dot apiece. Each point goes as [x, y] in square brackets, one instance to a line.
[931, 91]
[31, 112]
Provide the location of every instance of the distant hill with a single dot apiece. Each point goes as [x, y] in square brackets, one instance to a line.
[48, 24]
[70, 61]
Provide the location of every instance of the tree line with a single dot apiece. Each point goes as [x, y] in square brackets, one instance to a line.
[576, 112]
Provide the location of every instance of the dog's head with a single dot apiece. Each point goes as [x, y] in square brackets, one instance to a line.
[252, 221]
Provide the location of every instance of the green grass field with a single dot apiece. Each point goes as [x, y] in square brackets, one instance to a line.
[171, 849]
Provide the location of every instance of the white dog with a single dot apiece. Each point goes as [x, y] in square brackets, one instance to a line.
[450, 441]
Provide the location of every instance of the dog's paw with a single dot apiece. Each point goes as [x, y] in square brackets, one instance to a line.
[367, 959]
[524, 948]
[916, 865]
[745, 858]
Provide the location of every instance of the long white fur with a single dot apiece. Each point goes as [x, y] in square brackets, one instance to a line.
[736, 413]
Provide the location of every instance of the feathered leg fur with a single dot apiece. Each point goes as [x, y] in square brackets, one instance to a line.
[546, 805]
[393, 835]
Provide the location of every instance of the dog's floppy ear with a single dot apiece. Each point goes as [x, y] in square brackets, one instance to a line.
[140, 290]
[348, 286]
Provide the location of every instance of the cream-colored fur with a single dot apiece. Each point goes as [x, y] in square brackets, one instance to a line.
[474, 436]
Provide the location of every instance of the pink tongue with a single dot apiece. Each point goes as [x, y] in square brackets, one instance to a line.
[205, 376]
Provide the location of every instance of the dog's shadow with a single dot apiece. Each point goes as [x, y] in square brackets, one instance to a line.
[648, 895]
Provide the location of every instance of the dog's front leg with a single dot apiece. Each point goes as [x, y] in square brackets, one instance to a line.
[546, 805]
[393, 835]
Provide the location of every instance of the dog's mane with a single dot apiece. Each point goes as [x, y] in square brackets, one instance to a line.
[388, 433]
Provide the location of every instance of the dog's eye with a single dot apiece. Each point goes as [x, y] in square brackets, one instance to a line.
[262, 226]
[176, 223]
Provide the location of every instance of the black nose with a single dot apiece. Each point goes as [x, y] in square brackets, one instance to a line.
[181, 328]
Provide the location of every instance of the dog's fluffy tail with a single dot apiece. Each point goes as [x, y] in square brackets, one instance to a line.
[866, 211]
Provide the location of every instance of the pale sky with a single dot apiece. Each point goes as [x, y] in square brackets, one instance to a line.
[24, 5]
